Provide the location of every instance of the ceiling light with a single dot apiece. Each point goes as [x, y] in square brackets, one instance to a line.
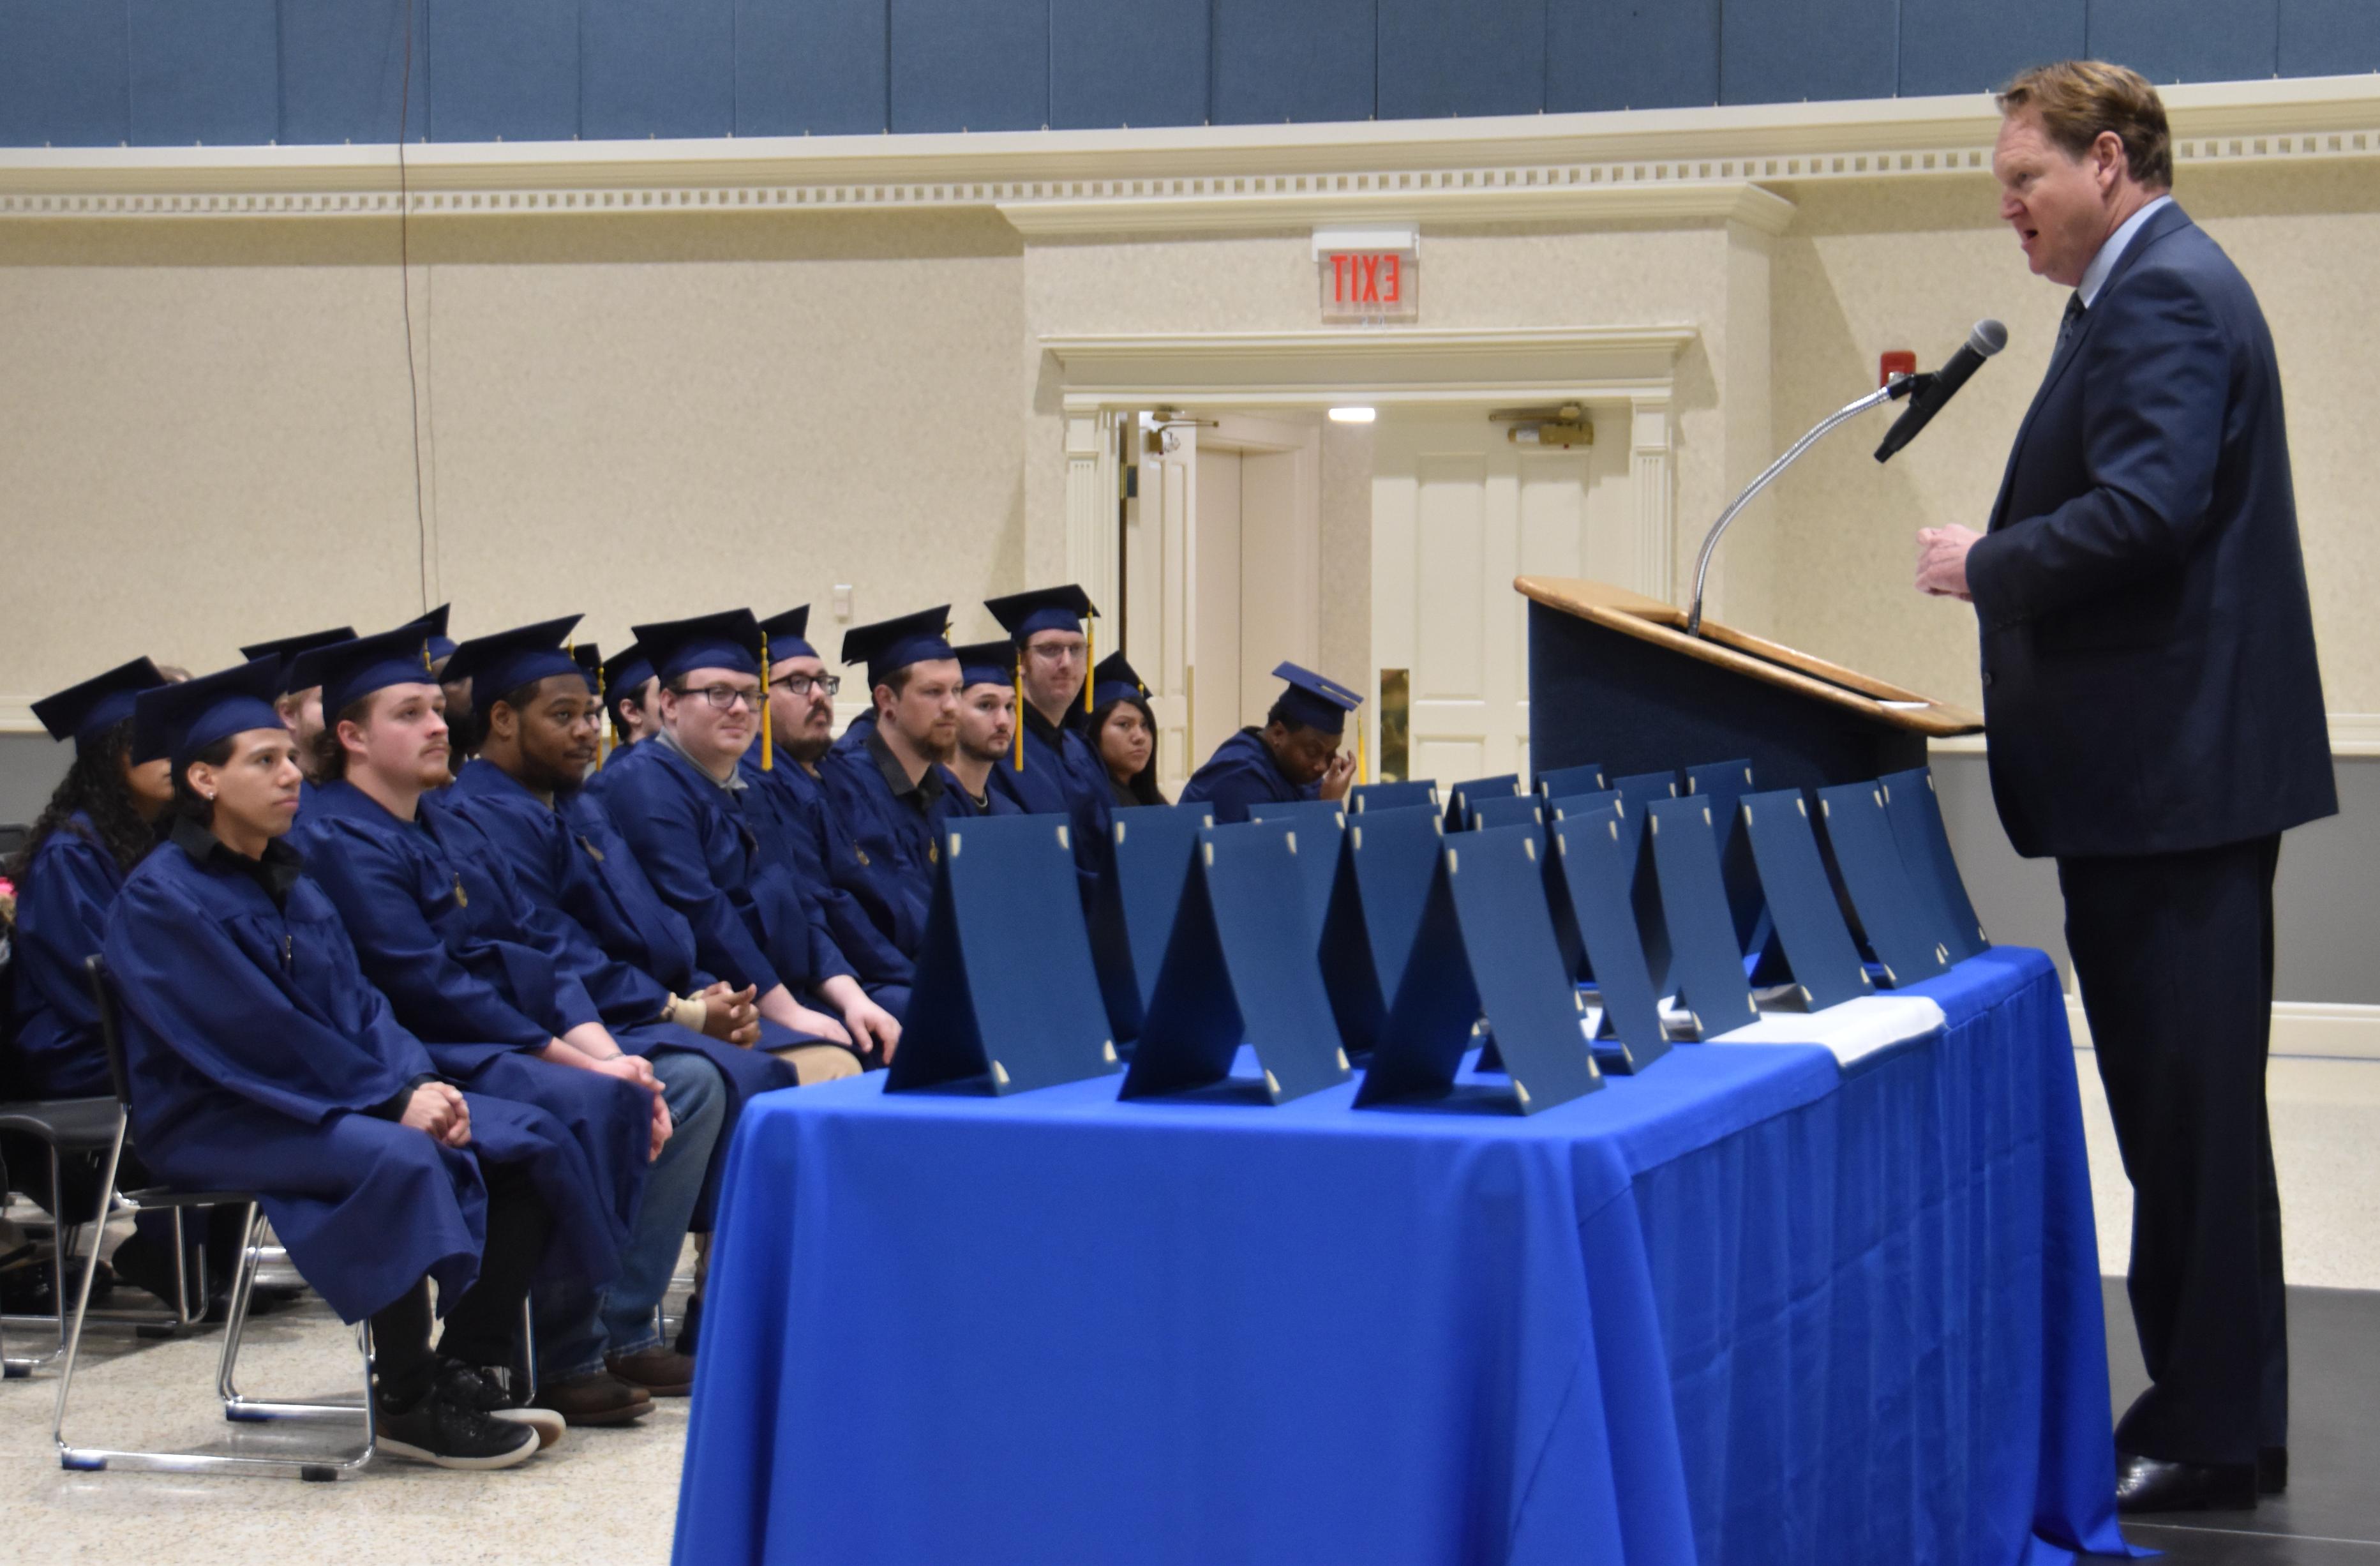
[1354, 415]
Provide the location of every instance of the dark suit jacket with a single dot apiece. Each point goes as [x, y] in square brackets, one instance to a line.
[2149, 674]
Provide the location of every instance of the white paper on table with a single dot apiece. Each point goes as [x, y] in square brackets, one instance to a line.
[1852, 1030]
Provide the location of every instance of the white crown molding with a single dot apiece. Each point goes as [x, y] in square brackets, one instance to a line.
[1389, 365]
[1653, 165]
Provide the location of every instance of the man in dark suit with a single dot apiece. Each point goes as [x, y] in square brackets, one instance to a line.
[2155, 722]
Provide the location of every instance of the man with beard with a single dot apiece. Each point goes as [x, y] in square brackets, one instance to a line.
[300, 709]
[887, 790]
[854, 898]
[448, 937]
[986, 731]
[684, 806]
[1054, 771]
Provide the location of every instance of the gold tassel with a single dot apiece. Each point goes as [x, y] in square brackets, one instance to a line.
[1089, 657]
[1019, 761]
[1359, 750]
[602, 721]
[768, 746]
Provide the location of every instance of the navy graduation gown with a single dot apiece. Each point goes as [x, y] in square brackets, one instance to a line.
[1061, 776]
[257, 1051]
[1242, 772]
[445, 938]
[785, 803]
[959, 805]
[702, 854]
[562, 870]
[858, 894]
[61, 919]
[893, 838]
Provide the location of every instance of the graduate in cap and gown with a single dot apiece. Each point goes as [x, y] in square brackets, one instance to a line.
[447, 936]
[1123, 733]
[1052, 769]
[1296, 756]
[630, 692]
[713, 852]
[300, 707]
[259, 1059]
[100, 823]
[839, 879]
[986, 731]
[886, 786]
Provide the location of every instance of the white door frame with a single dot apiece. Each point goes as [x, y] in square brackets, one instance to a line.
[1618, 369]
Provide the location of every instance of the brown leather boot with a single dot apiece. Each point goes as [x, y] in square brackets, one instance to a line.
[656, 1369]
[597, 1397]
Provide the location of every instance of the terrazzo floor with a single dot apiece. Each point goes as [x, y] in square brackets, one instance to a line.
[610, 1496]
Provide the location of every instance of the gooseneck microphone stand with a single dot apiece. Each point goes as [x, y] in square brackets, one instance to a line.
[1893, 390]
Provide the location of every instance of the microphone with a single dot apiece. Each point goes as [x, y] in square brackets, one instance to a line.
[1932, 390]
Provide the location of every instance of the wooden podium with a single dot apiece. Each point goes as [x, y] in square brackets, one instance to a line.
[1615, 680]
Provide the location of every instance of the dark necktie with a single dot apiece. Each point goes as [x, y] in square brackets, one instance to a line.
[2074, 309]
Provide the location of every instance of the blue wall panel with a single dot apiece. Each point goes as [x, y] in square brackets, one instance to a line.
[62, 74]
[1630, 54]
[1783, 51]
[1279, 60]
[504, 70]
[342, 65]
[2329, 37]
[203, 70]
[656, 67]
[2187, 40]
[970, 64]
[1482, 57]
[810, 67]
[1127, 62]
[1959, 47]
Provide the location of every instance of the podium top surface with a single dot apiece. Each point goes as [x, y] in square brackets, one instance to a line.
[1804, 675]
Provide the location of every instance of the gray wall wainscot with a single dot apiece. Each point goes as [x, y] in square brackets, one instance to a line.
[2326, 903]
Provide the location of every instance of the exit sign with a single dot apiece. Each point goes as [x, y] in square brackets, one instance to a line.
[1369, 276]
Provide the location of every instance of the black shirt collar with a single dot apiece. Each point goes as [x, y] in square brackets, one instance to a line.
[1050, 734]
[275, 873]
[923, 794]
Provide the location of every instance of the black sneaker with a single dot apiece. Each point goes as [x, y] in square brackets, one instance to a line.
[441, 1427]
[497, 1404]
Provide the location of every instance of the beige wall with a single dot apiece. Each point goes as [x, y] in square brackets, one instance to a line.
[1913, 265]
[637, 418]
[648, 416]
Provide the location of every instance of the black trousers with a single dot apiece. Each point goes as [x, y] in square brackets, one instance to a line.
[2175, 956]
[483, 1325]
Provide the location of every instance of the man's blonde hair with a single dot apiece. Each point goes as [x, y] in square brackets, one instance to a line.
[2079, 101]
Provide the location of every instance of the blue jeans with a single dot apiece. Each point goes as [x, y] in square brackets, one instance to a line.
[577, 1326]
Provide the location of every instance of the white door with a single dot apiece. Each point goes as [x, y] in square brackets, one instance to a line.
[1458, 511]
[1221, 565]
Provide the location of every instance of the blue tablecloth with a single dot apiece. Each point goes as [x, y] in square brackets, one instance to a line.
[1749, 1306]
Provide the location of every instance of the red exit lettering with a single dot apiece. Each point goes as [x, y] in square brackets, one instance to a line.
[1366, 277]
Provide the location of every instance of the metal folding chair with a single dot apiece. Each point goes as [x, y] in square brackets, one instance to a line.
[84, 1128]
[237, 1405]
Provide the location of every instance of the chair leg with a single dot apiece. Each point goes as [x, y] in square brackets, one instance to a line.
[238, 1406]
[527, 1389]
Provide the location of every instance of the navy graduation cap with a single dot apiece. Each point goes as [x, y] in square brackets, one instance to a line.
[788, 634]
[286, 650]
[1317, 702]
[589, 659]
[987, 664]
[433, 624]
[179, 721]
[895, 644]
[509, 660]
[1115, 680]
[1043, 609]
[627, 669]
[349, 670]
[729, 639]
[85, 712]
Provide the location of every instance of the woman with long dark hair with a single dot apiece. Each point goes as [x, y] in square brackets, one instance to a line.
[99, 823]
[1122, 732]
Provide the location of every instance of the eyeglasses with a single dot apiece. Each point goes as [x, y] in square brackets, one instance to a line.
[724, 697]
[802, 684]
[1057, 651]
